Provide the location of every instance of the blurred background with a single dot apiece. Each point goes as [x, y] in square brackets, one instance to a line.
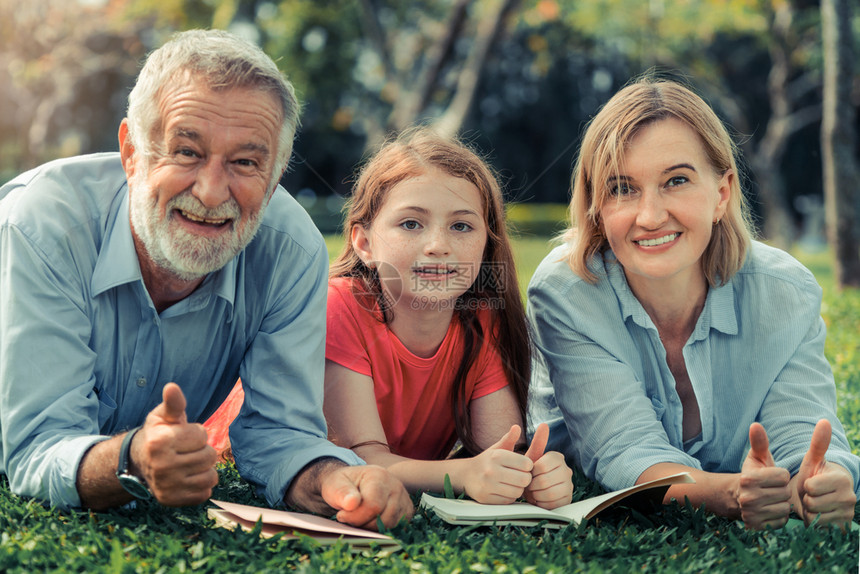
[519, 79]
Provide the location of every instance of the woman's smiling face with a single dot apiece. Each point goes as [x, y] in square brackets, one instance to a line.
[659, 214]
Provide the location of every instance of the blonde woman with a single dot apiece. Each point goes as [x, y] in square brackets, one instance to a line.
[675, 342]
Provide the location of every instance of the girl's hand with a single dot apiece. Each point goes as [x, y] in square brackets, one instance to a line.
[498, 475]
[824, 489]
[763, 492]
[551, 484]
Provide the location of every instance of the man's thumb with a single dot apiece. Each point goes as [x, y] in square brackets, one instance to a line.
[172, 404]
[759, 445]
[509, 441]
[339, 492]
[814, 458]
[539, 440]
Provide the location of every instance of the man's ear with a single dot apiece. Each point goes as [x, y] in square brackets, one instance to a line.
[126, 149]
[277, 183]
[359, 236]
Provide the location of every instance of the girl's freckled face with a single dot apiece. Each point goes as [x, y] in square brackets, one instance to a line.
[427, 240]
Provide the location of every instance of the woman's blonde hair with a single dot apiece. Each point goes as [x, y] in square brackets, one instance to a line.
[601, 154]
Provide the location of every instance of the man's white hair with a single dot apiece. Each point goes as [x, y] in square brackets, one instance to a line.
[221, 61]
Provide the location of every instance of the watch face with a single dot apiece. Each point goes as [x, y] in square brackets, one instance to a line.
[134, 486]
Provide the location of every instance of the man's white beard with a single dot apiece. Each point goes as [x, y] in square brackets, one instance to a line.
[173, 249]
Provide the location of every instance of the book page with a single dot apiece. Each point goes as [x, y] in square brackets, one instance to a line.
[585, 509]
[230, 521]
[457, 511]
[305, 523]
[525, 514]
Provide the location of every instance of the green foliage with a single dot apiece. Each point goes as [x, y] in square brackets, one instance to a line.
[540, 219]
[674, 24]
[152, 538]
[447, 487]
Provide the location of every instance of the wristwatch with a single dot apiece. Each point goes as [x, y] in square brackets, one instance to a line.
[132, 484]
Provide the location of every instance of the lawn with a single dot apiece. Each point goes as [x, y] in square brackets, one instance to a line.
[151, 538]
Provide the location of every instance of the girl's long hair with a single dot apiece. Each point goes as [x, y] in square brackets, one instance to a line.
[413, 153]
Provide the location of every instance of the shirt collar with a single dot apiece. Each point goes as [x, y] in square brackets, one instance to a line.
[631, 308]
[720, 309]
[118, 264]
[719, 312]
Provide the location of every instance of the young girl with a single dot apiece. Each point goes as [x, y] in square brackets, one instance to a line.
[427, 339]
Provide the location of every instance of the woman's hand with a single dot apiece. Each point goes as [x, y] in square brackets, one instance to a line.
[824, 489]
[551, 484]
[763, 491]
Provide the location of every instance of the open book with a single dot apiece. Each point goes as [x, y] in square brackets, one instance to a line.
[455, 511]
[294, 524]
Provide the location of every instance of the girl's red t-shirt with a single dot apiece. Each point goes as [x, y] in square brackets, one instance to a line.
[413, 394]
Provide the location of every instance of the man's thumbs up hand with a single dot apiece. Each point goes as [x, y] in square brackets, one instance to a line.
[171, 410]
[172, 456]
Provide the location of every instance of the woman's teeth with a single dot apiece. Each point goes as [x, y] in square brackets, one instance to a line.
[657, 241]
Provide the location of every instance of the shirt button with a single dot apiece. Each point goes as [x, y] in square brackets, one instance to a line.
[141, 382]
[155, 320]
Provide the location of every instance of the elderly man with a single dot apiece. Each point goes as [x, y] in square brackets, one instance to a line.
[136, 287]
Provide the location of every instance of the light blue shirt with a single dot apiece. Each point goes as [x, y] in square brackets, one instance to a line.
[85, 355]
[756, 354]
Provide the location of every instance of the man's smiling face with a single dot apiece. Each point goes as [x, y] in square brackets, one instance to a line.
[199, 197]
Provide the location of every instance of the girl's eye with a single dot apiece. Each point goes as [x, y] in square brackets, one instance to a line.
[677, 180]
[461, 226]
[410, 225]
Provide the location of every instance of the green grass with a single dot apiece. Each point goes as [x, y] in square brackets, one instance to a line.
[675, 538]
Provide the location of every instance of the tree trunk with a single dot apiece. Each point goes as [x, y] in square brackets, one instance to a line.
[408, 107]
[414, 96]
[489, 31]
[838, 142]
[767, 159]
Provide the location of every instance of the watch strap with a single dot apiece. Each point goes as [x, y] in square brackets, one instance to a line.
[131, 483]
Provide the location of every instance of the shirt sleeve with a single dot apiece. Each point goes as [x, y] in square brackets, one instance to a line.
[344, 334]
[803, 393]
[614, 429]
[44, 356]
[281, 428]
[491, 374]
